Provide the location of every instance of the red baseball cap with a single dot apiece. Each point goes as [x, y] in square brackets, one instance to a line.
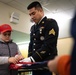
[5, 27]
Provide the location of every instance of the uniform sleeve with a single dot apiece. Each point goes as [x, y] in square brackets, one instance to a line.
[48, 49]
[30, 49]
[30, 44]
[63, 65]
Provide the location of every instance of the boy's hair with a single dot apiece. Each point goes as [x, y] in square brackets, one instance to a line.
[35, 4]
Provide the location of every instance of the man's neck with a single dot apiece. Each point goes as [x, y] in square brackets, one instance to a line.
[41, 19]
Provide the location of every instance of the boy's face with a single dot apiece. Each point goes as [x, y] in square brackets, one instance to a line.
[6, 36]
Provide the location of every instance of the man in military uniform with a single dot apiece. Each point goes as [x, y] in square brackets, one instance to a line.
[43, 37]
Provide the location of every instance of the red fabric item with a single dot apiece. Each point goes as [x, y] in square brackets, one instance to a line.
[19, 65]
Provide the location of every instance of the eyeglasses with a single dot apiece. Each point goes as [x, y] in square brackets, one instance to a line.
[7, 34]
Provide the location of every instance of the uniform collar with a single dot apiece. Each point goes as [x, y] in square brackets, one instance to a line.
[41, 19]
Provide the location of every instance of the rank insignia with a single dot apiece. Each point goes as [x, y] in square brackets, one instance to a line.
[52, 32]
[43, 52]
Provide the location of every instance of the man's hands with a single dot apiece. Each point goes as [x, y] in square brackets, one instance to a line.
[29, 59]
[26, 60]
[15, 59]
[20, 58]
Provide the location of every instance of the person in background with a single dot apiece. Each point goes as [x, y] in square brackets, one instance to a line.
[43, 37]
[66, 64]
[9, 52]
[60, 65]
[73, 55]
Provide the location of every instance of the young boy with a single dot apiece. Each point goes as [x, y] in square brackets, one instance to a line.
[8, 51]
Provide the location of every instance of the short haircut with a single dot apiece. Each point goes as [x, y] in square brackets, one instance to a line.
[35, 4]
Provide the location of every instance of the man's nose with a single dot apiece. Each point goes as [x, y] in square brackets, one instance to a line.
[32, 17]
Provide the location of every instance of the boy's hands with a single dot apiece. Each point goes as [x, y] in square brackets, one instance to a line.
[15, 59]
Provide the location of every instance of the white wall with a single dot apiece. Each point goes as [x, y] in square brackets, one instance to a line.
[24, 22]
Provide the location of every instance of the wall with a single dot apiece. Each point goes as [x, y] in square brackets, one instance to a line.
[65, 46]
[5, 13]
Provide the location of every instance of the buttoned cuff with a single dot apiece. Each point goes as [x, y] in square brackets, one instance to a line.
[32, 59]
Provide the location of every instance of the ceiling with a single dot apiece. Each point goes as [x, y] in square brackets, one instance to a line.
[66, 7]
[50, 6]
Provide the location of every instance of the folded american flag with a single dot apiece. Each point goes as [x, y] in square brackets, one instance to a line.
[30, 65]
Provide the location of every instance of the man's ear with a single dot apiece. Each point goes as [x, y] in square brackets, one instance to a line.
[40, 9]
